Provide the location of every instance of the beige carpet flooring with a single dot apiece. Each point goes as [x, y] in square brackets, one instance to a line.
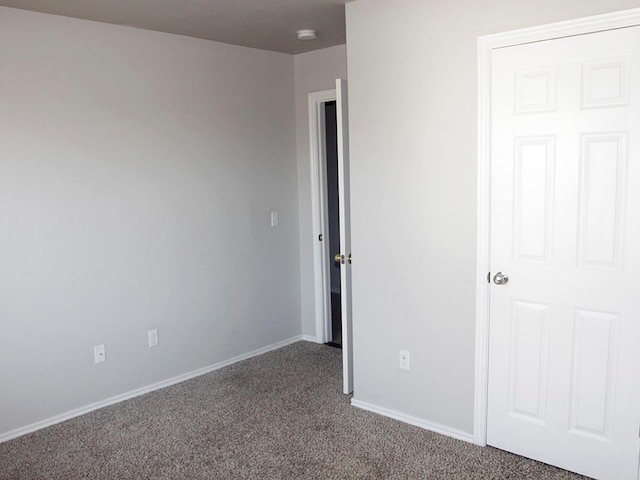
[277, 416]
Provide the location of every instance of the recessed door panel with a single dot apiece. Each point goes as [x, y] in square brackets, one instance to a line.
[593, 373]
[535, 91]
[601, 204]
[605, 83]
[528, 360]
[533, 196]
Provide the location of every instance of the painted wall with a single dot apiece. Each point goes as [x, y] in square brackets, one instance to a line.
[137, 175]
[412, 87]
[314, 72]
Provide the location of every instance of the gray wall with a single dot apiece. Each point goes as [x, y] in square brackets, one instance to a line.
[137, 174]
[412, 88]
[314, 71]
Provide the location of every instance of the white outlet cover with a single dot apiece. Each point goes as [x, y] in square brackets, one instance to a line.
[153, 338]
[99, 354]
[405, 360]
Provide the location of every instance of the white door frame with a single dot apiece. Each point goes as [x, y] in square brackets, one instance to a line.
[598, 23]
[319, 207]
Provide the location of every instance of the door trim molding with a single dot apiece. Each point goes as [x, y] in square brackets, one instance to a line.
[597, 23]
[319, 212]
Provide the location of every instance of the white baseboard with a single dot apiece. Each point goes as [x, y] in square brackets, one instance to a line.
[141, 391]
[310, 338]
[434, 427]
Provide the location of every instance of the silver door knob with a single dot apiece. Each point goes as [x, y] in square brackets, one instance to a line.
[338, 258]
[500, 278]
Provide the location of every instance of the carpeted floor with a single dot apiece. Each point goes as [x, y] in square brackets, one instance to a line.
[277, 416]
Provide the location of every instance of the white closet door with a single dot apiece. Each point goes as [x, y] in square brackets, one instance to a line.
[564, 357]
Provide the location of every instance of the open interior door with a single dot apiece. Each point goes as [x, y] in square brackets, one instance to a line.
[345, 234]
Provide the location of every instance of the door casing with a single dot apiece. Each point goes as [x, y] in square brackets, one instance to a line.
[486, 44]
[320, 215]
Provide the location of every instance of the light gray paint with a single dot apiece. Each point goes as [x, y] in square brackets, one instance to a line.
[137, 174]
[413, 119]
[314, 72]
[264, 24]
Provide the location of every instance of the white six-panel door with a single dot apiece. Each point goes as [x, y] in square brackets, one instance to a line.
[564, 341]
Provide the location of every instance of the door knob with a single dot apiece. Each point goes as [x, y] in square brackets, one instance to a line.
[338, 258]
[500, 278]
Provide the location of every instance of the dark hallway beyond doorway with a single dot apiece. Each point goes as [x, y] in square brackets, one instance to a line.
[336, 321]
[333, 210]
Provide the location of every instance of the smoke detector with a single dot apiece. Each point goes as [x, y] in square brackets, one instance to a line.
[306, 34]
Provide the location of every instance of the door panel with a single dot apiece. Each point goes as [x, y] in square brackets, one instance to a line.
[602, 179]
[565, 227]
[345, 233]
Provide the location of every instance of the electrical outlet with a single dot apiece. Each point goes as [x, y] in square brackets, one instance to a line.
[153, 338]
[405, 360]
[99, 354]
[275, 219]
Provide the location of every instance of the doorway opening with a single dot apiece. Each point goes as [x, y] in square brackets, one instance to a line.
[329, 142]
[333, 220]
[322, 248]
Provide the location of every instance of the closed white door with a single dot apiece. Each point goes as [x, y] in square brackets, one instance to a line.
[564, 361]
[345, 234]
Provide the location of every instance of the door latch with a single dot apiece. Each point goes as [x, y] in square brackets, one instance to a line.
[341, 259]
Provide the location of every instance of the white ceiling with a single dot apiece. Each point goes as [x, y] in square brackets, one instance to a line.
[265, 24]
